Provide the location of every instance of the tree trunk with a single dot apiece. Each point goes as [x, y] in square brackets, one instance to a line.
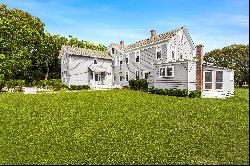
[47, 70]
[240, 84]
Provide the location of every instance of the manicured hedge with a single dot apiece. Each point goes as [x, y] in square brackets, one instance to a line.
[78, 87]
[194, 94]
[141, 85]
[174, 92]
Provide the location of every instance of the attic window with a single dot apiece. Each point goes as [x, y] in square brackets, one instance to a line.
[158, 53]
[113, 51]
[137, 56]
[95, 61]
[126, 59]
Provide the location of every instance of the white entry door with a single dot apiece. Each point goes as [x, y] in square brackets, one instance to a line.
[98, 79]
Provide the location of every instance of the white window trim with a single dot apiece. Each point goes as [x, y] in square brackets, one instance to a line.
[166, 73]
[136, 56]
[204, 80]
[127, 56]
[120, 78]
[172, 49]
[231, 76]
[215, 82]
[112, 51]
[126, 72]
[158, 49]
[120, 59]
[138, 74]
[160, 72]
[144, 74]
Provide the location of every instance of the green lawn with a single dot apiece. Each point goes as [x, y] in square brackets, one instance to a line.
[123, 127]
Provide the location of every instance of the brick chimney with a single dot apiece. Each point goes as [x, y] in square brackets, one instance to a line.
[199, 69]
[122, 43]
[153, 33]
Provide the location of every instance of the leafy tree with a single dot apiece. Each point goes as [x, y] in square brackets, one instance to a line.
[20, 37]
[235, 57]
[30, 52]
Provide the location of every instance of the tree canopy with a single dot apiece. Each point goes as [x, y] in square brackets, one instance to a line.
[234, 57]
[31, 53]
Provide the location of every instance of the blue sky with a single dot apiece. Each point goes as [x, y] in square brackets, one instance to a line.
[214, 23]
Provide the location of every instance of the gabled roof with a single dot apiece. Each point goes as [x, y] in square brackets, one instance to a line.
[84, 52]
[159, 38]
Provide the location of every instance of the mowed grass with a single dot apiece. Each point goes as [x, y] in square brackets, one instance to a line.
[123, 127]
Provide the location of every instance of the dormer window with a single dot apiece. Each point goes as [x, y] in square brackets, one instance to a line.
[95, 61]
[137, 57]
[113, 51]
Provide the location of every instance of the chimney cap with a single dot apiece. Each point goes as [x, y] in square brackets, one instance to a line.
[122, 42]
[199, 45]
[153, 33]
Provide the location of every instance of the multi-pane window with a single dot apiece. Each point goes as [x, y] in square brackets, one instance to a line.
[137, 56]
[137, 75]
[219, 79]
[126, 76]
[120, 78]
[162, 71]
[170, 71]
[208, 80]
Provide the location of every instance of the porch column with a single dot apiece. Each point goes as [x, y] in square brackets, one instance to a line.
[93, 80]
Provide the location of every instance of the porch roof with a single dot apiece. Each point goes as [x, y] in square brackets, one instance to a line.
[97, 69]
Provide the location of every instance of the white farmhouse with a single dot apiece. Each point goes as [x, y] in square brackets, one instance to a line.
[166, 61]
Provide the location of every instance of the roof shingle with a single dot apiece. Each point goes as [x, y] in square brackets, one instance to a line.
[84, 52]
[162, 37]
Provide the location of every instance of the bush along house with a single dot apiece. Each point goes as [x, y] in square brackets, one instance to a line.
[166, 61]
